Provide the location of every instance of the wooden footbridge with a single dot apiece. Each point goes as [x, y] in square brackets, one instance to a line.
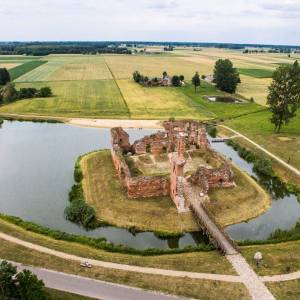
[207, 223]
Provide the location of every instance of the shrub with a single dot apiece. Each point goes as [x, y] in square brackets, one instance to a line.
[263, 166]
[211, 130]
[176, 80]
[45, 92]
[27, 93]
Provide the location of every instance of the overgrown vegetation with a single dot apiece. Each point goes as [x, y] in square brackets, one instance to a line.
[79, 211]
[212, 130]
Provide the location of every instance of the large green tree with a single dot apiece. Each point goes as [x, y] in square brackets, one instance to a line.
[284, 94]
[196, 81]
[23, 285]
[8, 93]
[226, 76]
[4, 76]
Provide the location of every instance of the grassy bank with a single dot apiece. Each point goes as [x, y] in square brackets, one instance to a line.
[209, 262]
[195, 288]
[281, 171]
[288, 290]
[259, 128]
[245, 201]
[277, 258]
[59, 295]
[105, 193]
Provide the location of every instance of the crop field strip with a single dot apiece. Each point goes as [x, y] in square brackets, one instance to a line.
[25, 68]
[159, 102]
[9, 65]
[42, 73]
[95, 98]
[257, 73]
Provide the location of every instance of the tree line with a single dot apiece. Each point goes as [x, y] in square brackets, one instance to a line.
[8, 92]
[165, 80]
[41, 49]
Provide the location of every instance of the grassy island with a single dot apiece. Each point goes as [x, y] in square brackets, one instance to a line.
[104, 192]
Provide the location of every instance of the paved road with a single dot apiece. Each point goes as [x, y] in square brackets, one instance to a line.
[93, 288]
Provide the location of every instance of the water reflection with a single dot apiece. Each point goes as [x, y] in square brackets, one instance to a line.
[283, 214]
[36, 173]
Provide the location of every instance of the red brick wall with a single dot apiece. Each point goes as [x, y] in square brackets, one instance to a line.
[147, 186]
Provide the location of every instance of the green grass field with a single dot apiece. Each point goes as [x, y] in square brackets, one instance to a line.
[22, 69]
[259, 128]
[257, 73]
[41, 73]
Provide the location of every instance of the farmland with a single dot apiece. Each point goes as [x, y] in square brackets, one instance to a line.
[257, 73]
[26, 67]
[74, 98]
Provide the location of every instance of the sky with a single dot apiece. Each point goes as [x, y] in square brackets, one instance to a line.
[229, 21]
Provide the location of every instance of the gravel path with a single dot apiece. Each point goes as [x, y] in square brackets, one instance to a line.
[255, 286]
[237, 134]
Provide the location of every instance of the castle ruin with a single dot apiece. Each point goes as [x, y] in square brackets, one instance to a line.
[166, 162]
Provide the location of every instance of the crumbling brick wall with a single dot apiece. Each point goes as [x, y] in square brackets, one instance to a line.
[147, 186]
[217, 177]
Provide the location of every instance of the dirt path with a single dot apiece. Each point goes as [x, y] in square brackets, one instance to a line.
[109, 123]
[110, 265]
[293, 169]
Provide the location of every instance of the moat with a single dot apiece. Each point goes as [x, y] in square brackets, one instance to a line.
[37, 163]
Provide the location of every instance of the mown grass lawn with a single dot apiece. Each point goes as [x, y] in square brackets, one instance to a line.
[217, 109]
[279, 258]
[258, 127]
[105, 193]
[257, 73]
[59, 295]
[287, 290]
[96, 98]
[207, 262]
[187, 287]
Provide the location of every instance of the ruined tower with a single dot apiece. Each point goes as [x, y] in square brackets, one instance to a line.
[177, 177]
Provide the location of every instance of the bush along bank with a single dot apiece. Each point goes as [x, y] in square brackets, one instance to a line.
[1, 121]
[278, 236]
[30, 119]
[263, 166]
[98, 243]
[79, 211]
